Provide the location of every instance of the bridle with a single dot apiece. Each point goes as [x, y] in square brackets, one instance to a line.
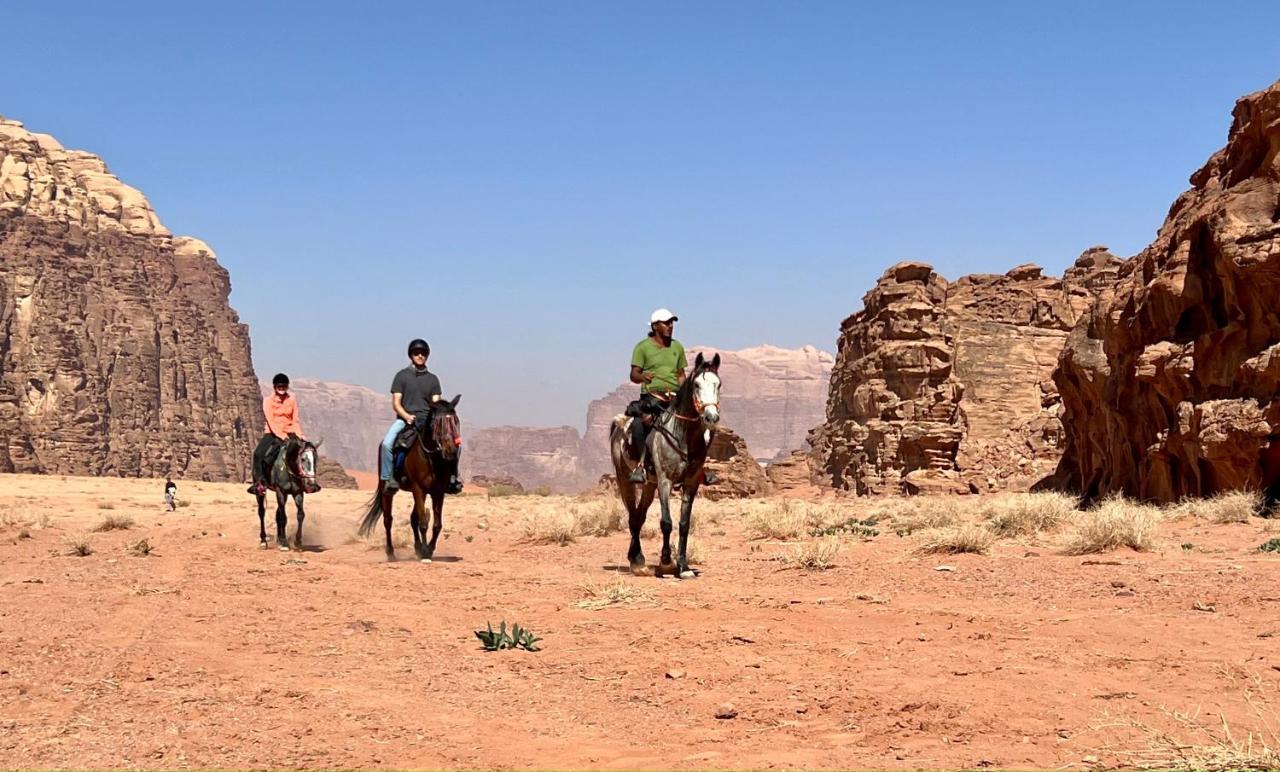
[698, 405]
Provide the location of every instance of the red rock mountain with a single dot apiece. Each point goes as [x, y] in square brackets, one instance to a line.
[120, 354]
[1171, 385]
[351, 420]
[946, 387]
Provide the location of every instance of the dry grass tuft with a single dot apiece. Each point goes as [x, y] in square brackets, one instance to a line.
[1229, 507]
[140, 548]
[958, 539]
[816, 555]
[616, 593]
[781, 520]
[79, 546]
[1114, 524]
[106, 505]
[921, 513]
[114, 523]
[600, 517]
[1027, 514]
[548, 526]
[563, 521]
[24, 533]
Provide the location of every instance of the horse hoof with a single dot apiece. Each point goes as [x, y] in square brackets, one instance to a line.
[262, 545]
[424, 560]
[641, 570]
[667, 569]
[687, 574]
[283, 547]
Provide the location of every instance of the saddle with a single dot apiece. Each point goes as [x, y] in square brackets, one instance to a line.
[421, 426]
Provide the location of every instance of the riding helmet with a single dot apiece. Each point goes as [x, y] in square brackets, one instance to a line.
[418, 344]
[280, 380]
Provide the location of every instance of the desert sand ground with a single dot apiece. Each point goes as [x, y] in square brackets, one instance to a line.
[209, 652]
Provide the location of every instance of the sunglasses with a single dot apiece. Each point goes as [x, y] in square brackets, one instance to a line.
[418, 354]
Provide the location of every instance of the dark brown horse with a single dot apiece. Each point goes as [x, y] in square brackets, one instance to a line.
[426, 472]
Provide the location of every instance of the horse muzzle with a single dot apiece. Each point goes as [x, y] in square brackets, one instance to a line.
[710, 416]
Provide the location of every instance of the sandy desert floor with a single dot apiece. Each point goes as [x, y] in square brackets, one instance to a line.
[209, 652]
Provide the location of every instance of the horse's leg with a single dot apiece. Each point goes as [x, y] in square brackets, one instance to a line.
[437, 520]
[665, 566]
[686, 520]
[415, 524]
[387, 521]
[302, 515]
[282, 523]
[262, 521]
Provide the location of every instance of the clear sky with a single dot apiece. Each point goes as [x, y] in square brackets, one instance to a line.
[522, 183]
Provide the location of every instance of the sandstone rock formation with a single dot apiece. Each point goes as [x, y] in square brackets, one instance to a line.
[534, 455]
[331, 475]
[502, 481]
[1171, 385]
[120, 354]
[740, 474]
[350, 419]
[944, 387]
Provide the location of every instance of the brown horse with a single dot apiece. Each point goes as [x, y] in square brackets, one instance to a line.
[426, 472]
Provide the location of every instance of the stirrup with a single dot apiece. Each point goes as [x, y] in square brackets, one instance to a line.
[637, 475]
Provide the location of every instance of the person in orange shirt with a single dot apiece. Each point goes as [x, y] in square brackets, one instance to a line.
[281, 410]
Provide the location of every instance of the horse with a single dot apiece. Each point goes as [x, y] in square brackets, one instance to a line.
[677, 448]
[427, 472]
[293, 473]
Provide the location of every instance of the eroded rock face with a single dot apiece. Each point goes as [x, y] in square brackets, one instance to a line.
[944, 387]
[536, 456]
[1171, 385]
[330, 474]
[120, 354]
[740, 475]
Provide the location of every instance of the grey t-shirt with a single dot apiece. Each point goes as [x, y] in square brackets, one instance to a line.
[416, 388]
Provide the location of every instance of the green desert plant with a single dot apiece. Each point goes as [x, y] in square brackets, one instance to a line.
[1270, 545]
[516, 638]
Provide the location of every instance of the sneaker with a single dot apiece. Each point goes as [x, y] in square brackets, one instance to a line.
[390, 485]
[637, 475]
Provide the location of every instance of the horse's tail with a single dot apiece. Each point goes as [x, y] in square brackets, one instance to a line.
[375, 511]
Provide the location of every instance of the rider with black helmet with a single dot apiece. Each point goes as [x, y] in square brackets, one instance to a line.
[413, 390]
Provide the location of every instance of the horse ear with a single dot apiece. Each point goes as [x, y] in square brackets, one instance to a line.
[318, 443]
[456, 400]
[715, 363]
[698, 361]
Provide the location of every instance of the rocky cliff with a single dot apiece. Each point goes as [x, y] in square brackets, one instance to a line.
[1171, 385]
[120, 354]
[535, 456]
[947, 387]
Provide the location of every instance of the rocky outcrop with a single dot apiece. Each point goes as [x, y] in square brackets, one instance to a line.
[350, 419]
[120, 354]
[947, 387]
[536, 456]
[330, 474]
[740, 475]
[1171, 385]
[507, 482]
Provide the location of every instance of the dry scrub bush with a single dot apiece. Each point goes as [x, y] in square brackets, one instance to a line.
[114, 523]
[956, 540]
[1115, 523]
[784, 519]
[1027, 514]
[79, 546]
[106, 505]
[615, 593]
[561, 523]
[600, 517]
[919, 513]
[815, 555]
[141, 548]
[1229, 507]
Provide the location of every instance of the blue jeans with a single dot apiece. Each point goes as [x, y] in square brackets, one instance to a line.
[384, 458]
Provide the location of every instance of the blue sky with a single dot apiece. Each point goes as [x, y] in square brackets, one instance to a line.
[522, 183]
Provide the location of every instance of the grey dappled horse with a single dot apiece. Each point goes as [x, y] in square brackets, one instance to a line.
[677, 450]
[293, 473]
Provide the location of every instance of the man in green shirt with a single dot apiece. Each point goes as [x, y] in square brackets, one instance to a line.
[657, 364]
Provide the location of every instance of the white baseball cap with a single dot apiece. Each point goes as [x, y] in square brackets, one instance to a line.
[663, 315]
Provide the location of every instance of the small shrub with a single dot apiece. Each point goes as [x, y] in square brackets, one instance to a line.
[852, 526]
[615, 593]
[1224, 508]
[183, 503]
[1270, 545]
[957, 540]
[816, 555]
[141, 548]
[776, 520]
[79, 546]
[517, 638]
[106, 505]
[1027, 514]
[114, 523]
[921, 513]
[500, 490]
[1116, 523]
[541, 490]
[548, 527]
[24, 533]
[598, 518]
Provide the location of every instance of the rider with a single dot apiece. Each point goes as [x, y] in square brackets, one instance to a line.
[283, 424]
[657, 364]
[170, 493]
[413, 391]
